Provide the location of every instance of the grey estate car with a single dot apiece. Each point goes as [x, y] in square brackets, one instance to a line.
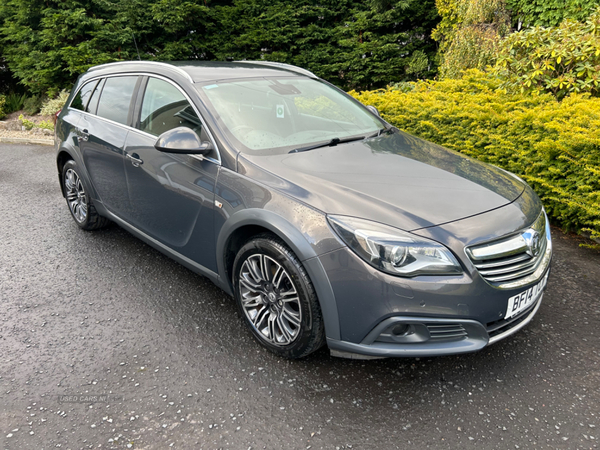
[325, 223]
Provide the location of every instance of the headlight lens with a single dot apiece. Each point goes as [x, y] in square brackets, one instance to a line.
[394, 251]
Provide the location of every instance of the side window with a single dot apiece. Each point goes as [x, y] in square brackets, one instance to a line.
[164, 107]
[93, 103]
[81, 99]
[116, 98]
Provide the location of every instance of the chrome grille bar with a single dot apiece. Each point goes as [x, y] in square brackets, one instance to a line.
[503, 262]
[514, 258]
[507, 268]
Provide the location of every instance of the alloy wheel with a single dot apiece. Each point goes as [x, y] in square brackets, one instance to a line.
[76, 197]
[270, 300]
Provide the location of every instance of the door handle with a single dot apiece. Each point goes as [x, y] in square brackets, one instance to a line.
[135, 159]
[83, 135]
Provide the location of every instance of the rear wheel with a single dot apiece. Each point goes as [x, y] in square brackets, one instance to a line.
[276, 298]
[82, 209]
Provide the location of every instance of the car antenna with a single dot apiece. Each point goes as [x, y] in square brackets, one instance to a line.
[136, 47]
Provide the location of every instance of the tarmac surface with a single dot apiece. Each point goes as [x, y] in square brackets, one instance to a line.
[106, 343]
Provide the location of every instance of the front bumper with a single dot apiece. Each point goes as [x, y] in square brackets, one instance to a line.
[442, 315]
[469, 336]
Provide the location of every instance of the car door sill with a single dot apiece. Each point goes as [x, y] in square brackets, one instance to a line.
[183, 260]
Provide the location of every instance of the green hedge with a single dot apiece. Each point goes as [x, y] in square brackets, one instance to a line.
[554, 146]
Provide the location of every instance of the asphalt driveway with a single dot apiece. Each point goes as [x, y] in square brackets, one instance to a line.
[106, 343]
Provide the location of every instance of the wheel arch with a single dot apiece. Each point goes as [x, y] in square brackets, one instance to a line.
[66, 153]
[61, 159]
[245, 224]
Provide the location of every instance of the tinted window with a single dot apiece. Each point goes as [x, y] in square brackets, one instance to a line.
[93, 103]
[164, 107]
[115, 98]
[81, 99]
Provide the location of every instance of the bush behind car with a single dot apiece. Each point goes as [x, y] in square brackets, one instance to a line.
[554, 146]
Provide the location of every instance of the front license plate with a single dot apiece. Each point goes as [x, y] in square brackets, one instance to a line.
[525, 299]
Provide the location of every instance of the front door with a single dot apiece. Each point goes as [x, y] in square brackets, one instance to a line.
[171, 195]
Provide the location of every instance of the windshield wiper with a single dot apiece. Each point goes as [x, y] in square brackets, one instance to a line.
[331, 143]
[378, 133]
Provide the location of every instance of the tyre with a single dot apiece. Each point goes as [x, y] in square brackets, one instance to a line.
[276, 298]
[79, 202]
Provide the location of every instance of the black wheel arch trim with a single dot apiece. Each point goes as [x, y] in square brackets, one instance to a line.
[83, 173]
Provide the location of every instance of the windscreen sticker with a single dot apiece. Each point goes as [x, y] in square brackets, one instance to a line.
[211, 86]
[280, 111]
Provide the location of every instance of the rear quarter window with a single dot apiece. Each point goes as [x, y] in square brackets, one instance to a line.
[80, 101]
[93, 103]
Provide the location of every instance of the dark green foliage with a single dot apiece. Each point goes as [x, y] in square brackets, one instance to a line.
[549, 13]
[32, 105]
[352, 43]
[14, 102]
[47, 44]
[7, 82]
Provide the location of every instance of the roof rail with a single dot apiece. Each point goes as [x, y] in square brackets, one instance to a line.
[162, 64]
[288, 67]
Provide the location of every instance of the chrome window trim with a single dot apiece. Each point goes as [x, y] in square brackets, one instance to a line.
[217, 161]
[156, 63]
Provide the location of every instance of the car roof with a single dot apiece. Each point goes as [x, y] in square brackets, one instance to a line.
[203, 71]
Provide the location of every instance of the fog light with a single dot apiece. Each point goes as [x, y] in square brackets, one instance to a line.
[402, 329]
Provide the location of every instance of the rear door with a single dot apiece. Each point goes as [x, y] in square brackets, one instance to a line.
[102, 134]
[171, 195]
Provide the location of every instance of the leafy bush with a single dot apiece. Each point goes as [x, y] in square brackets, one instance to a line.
[45, 124]
[2, 102]
[32, 105]
[554, 146]
[29, 125]
[14, 102]
[559, 60]
[469, 33]
[549, 13]
[54, 105]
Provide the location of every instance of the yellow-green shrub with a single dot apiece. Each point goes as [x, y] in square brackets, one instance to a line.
[554, 146]
[29, 125]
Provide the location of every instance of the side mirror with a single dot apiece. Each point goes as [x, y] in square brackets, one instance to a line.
[182, 140]
[373, 110]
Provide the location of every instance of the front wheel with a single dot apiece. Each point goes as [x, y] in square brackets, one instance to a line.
[79, 202]
[276, 298]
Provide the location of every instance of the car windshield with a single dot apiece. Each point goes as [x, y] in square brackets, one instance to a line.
[276, 115]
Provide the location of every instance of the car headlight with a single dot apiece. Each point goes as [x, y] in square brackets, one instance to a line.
[394, 251]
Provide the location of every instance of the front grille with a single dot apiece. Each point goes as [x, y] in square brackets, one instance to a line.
[446, 331]
[513, 257]
[510, 268]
